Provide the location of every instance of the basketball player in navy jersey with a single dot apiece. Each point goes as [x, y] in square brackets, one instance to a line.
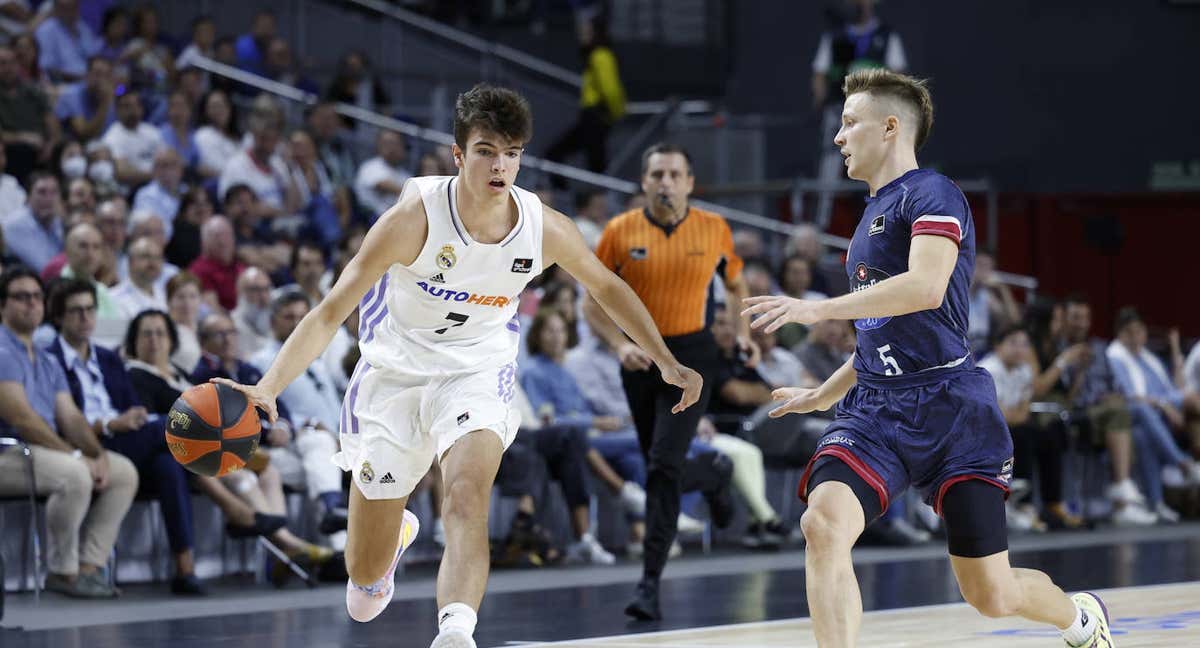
[436, 281]
[911, 406]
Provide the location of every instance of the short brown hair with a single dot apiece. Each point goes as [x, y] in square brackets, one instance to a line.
[533, 341]
[913, 92]
[665, 148]
[181, 279]
[495, 110]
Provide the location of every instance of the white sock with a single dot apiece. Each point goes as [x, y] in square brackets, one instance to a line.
[457, 617]
[1081, 630]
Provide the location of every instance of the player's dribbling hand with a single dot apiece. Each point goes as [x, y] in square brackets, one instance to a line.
[776, 310]
[258, 397]
[797, 400]
[687, 380]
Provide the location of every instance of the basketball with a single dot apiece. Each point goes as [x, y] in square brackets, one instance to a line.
[212, 430]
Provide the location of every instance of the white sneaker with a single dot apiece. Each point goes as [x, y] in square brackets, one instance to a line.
[1173, 477]
[1017, 519]
[366, 602]
[1192, 473]
[634, 498]
[1133, 515]
[1166, 513]
[1126, 492]
[688, 525]
[588, 550]
[453, 639]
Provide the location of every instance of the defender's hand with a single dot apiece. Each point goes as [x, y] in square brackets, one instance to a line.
[687, 380]
[798, 400]
[257, 396]
[777, 310]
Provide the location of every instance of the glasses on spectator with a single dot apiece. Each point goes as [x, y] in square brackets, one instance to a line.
[80, 311]
[23, 296]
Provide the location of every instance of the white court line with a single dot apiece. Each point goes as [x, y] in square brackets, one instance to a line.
[607, 641]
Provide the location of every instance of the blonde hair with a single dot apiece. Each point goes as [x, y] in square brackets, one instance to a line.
[910, 91]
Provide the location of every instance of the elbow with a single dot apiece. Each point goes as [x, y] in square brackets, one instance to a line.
[932, 295]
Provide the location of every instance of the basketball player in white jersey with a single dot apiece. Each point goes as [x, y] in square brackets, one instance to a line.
[437, 282]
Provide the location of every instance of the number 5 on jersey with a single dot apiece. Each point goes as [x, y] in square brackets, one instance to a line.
[458, 318]
[890, 368]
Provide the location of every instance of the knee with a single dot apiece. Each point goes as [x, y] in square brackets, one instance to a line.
[465, 499]
[823, 531]
[993, 599]
[76, 484]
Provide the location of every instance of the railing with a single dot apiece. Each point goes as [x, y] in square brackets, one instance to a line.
[602, 181]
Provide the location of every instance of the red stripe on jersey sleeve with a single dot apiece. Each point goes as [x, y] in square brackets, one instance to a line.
[949, 230]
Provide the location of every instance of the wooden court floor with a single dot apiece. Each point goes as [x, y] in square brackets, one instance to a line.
[1158, 615]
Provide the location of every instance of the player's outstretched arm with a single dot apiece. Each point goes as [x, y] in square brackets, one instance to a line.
[397, 237]
[931, 261]
[801, 400]
[562, 244]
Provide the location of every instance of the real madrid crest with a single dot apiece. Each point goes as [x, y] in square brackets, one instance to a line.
[446, 258]
[366, 475]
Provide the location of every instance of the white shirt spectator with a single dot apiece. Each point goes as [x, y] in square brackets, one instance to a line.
[153, 198]
[1013, 386]
[136, 147]
[12, 196]
[131, 300]
[780, 368]
[215, 148]
[371, 173]
[267, 184]
[311, 395]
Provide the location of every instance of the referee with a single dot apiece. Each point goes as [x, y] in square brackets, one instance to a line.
[668, 253]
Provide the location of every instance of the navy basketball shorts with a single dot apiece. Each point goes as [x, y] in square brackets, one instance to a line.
[930, 432]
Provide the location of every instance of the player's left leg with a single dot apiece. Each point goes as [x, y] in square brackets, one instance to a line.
[978, 545]
[468, 470]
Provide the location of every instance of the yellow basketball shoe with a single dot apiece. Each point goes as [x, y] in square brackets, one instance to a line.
[365, 602]
[1091, 605]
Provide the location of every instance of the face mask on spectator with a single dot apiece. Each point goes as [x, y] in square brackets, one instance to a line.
[74, 166]
[101, 171]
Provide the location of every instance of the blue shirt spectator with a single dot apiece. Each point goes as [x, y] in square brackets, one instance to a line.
[553, 392]
[42, 377]
[75, 101]
[35, 243]
[66, 43]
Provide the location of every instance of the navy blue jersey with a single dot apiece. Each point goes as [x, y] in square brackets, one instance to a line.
[917, 203]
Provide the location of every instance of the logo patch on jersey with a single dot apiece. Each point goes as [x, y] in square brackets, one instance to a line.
[447, 294]
[876, 225]
[366, 475]
[1006, 471]
[522, 265]
[438, 278]
[638, 253]
[864, 277]
[464, 417]
[446, 258]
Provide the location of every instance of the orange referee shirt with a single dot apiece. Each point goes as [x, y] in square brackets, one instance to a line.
[671, 268]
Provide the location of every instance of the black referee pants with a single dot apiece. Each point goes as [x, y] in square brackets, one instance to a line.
[664, 438]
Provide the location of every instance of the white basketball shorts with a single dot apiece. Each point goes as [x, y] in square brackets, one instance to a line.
[394, 424]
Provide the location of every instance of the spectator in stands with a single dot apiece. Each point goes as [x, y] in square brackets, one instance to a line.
[252, 47]
[203, 43]
[101, 390]
[828, 269]
[70, 161]
[30, 131]
[326, 206]
[150, 344]
[85, 251]
[114, 34]
[1099, 410]
[81, 196]
[29, 53]
[357, 85]
[146, 288]
[1011, 365]
[256, 244]
[150, 55]
[12, 194]
[112, 222]
[279, 66]
[333, 147]
[307, 266]
[601, 101]
[195, 208]
[381, 178]
[252, 317]
[591, 213]
[1157, 408]
[89, 489]
[216, 267]
[991, 301]
[66, 42]
[217, 139]
[299, 449]
[749, 244]
[39, 226]
[758, 279]
[1188, 379]
[795, 280]
[777, 366]
[102, 169]
[260, 167]
[163, 193]
[87, 108]
[178, 133]
[132, 141]
[183, 305]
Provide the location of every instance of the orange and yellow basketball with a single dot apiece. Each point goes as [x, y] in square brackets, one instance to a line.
[212, 430]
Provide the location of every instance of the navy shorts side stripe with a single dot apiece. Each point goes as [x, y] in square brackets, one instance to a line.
[857, 465]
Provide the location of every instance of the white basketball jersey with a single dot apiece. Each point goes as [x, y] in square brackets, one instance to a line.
[454, 309]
